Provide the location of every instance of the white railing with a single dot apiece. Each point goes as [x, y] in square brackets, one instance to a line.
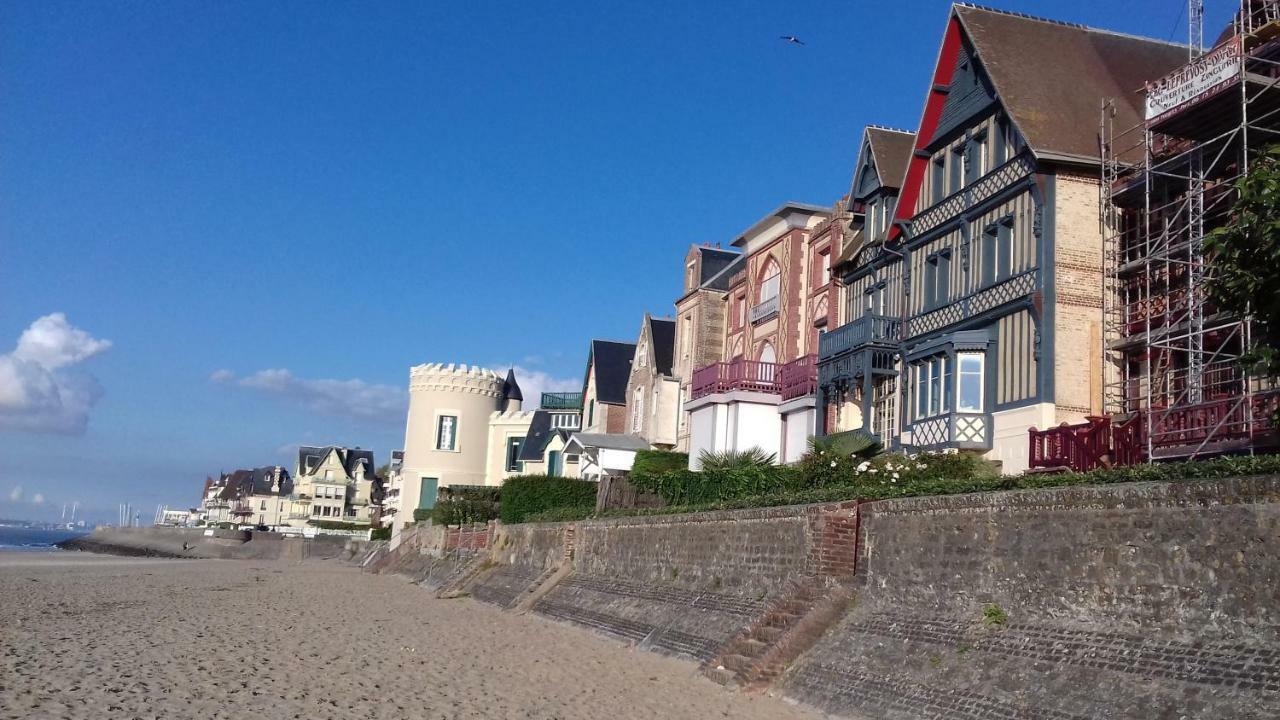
[765, 309]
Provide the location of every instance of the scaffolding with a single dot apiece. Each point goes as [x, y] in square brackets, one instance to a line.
[1172, 360]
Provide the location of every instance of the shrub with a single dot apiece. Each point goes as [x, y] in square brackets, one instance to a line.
[527, 494]
[751, 458]
[684, 487]
[382, 533]
[490, 493]
[421, 514]
[650, 463]
[336, 525]
[464, 510]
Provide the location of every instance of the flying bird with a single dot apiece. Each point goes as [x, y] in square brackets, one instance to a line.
[791, 39]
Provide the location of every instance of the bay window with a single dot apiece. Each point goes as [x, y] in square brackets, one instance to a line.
[970, 367]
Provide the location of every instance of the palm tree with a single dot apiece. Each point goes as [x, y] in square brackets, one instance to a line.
[736, 459]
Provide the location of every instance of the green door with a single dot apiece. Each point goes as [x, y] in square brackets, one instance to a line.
[553, 463]
[427, 493]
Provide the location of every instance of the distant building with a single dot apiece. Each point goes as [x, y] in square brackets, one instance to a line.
[258, 496]
[334, 484]
[760, 391]
[604, 387]
[701, 313]
[653, 391]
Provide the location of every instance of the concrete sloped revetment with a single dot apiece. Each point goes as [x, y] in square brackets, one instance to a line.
[1153, 600]
[1148, 600]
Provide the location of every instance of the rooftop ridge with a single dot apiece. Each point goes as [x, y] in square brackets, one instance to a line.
[874, 126]
[1065, 23]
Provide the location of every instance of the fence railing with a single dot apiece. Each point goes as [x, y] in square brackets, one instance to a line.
[561, 401]
[799, 377]
[744, 375]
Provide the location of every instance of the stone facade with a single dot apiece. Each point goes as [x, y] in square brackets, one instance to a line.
[1151, 600]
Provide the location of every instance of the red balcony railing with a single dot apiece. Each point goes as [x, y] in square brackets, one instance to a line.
[799, 377]
[747, 375]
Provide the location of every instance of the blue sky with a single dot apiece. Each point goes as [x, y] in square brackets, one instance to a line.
[341, 191]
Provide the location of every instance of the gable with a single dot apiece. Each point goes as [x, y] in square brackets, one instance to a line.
[866, 180]
[969, 94]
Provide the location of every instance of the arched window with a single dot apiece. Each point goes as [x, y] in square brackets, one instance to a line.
[767, 355]
[770, 281]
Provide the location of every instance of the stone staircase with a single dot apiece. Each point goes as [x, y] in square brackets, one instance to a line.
[758, 655]
[455, 583]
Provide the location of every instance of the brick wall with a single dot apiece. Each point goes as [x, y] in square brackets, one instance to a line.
[1137, 601]
[1078, 288]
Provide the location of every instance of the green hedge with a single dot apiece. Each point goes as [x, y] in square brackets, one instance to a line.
[651, 463]
[464, 510]
[525, 495]
[562, 514]
[382, 533]
[421, 514]
[935, 479]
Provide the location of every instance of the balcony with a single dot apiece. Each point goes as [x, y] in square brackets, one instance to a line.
[739, 375]
[969, 431]
[859, 333]
[799, 377]
[1020, 168]
[765, 310]
[561, 401]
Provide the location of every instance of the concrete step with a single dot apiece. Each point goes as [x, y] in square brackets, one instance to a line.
[721, 675]
[736, 663]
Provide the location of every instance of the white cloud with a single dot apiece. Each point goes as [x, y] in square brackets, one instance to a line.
[39, 389]
[37, 499]
[15, 495]
[535, 382]
[342, 398]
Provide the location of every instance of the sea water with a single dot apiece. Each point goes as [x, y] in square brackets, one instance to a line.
[30, 539]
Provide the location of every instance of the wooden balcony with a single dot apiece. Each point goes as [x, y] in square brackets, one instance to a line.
[790, 381]
[864, 331]
[739, 375]
[561, 401]
[799, 377]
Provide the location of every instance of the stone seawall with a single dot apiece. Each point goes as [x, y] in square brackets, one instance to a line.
[194, 543]
[1129, 601]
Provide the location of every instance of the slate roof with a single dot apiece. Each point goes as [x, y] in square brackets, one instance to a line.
[537, 436]
[511, 388]
[612, 363]
[1052, 76]
[720, 281]
[609, 441]
[349, 457]
[892, 152]
[713, 261]
[261, 481]
[662, 332]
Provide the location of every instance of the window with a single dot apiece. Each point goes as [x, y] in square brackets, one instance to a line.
[939, 181]
[824, 267]
[567, 421]
[771, 281]
[937, 279]
[328, 474]
[970, 366]
[997, 251]
[447, 432]
[767, 354]
[933, 387]
[884, 414]
[642, 354]
[957, 165]
[513, 454]
[740, 315]
[554, 465]
[262, 505]
[315, 510]
[637, 410]
[591, 413]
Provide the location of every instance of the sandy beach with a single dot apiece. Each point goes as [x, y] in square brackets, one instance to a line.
[88, 636]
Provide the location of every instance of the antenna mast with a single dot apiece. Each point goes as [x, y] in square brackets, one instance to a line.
[1195, 35]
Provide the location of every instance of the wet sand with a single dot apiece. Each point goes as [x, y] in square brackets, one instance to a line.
[88, 636]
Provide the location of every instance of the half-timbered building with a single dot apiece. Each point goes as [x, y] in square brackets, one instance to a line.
[975, 294]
